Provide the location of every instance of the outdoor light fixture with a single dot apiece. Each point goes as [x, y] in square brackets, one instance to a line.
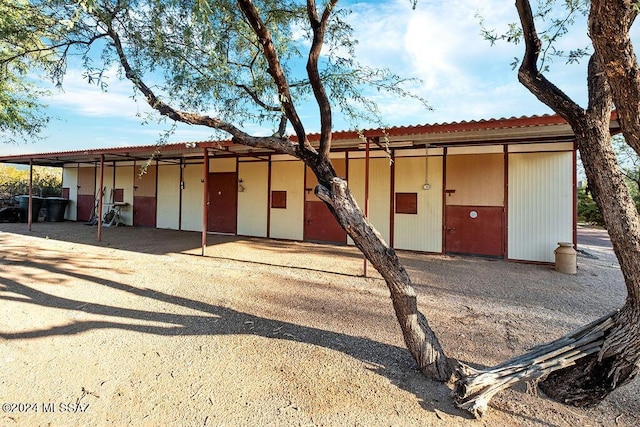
[240, 186]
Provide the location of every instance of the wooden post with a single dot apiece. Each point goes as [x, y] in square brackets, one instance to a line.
[100, 197]
[366, 192]
[205, 201]
[30, 208]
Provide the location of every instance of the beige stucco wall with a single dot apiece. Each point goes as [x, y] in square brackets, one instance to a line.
[422, 231]
[540, 204]
[70, 181]
[288, 223]
[253, 201]
[192, 197]
[379, 189]
[168, 199]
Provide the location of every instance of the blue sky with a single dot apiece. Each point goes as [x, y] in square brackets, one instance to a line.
[463, 78]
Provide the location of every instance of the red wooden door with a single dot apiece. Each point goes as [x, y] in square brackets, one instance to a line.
[144, 198]
[86, 204]
[319, 223]
[86, 193]
[474, 230]
[223, 202]
[144, 211]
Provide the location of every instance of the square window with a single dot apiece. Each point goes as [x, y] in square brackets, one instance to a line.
[279, 199]
[407, 203]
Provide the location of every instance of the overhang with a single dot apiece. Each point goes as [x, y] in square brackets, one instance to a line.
[514, 130]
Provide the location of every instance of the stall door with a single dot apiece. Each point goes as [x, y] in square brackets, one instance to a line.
[86, 193]
[223, 202]
[144, 198]
[319, 223]
[474, 204]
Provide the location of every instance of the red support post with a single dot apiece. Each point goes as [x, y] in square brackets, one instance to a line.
[100, 197]
[366, 193]
[205, 201]
[30, 209]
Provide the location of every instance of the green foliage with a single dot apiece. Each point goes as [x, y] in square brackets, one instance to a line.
[47, 182]
[200, 56]
[555, 19]
[587, 209]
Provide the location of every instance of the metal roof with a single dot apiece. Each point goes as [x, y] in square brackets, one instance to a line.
[513, 130]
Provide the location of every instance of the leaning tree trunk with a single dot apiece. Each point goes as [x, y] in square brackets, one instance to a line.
[418, 336]
[583, 367]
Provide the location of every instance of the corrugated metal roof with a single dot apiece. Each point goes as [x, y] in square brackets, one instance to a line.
[502, 129]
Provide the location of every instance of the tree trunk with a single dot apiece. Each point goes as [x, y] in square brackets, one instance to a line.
[583, 367]
[418, 336]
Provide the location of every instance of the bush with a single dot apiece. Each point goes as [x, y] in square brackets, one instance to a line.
[587, 209]
[47, 182]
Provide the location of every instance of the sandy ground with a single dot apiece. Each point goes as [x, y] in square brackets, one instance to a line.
[141, 330]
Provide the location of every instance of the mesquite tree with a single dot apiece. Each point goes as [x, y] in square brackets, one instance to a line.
[219, 63]
[584, 366]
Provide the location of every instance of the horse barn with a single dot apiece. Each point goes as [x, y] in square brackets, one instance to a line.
[502, 188]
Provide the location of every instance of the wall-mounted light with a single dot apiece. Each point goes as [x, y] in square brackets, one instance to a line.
[240, 186]
[182, 185]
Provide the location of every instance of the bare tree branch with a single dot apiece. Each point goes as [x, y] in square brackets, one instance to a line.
[319, 27]
[531, 77]
[278, 144]
[275, 70]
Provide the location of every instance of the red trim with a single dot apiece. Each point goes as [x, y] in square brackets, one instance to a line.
[392, 197]
[268, 197]
[575, 197]
[205, 200]
[444, 201]
[100, 197]
[505, 219]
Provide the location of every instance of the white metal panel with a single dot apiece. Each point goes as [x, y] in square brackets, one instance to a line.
[540, 204]
[288, 223]
[168, 201]
[379, 189]
[253, 201]
[550, 146]
[192, 196]
[70, 181]
[124, 180]
[423, 231]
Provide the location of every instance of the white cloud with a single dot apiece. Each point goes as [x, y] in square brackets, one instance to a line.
[79, 96]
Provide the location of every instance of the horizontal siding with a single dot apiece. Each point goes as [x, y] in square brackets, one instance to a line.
[540, 204]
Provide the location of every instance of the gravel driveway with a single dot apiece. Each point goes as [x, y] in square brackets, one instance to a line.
[145, 331]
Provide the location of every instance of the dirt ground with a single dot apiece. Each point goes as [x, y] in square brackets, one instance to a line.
[141, 330]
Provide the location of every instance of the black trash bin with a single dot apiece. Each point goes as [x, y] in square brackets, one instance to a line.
[55, 208]
[24, 205]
